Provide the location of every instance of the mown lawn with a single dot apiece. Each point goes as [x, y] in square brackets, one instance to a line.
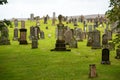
[20, 62]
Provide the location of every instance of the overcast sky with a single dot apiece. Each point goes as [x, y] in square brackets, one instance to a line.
[23, 8]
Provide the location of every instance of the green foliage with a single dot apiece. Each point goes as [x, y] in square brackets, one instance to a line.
[114, 16]
[3, 2]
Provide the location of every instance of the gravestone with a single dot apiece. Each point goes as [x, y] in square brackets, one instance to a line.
[96, 40]
[90, 28]
[79, 34]
[60, 42]
[32, 33]
[105, 56]
[23, 34]
[42, 36]
[53, 19]
[37, 32]
[68, 36]
[34, 42]
[32, 17]
[75, 22]
[104, 41]
[90, 38]
[4, 34]
[92, 73]
[15, 34]
[16, 23]
[45, 20]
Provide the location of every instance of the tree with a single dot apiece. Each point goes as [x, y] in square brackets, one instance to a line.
[114, 17]
[3, 2]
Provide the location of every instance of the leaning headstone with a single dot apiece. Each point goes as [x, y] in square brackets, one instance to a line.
[23, 34]
[92, 73]
[105, 56]
[96, 40]
[4, 34]
[60, 42]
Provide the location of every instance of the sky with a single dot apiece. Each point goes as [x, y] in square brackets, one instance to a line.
[23, 8]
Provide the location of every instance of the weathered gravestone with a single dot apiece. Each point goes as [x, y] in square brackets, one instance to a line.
[53, 19]
[15, 34]
[90, 28]
[31, 32]
[90, 38]
[75, 22]
[60, 42]
[79, 34]
[104, 41]
[45, 20]
[96, 40]
[68, 36]
[23, 34]
[42, 36]
[16, 23]
[4, 34]
[92, 73]
[34, 42]
[105, 56]
[32, 17]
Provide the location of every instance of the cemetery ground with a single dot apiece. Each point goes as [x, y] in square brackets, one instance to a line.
[20, 62]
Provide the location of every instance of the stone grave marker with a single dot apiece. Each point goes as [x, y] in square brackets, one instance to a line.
[92, 73]
[96, 40]
[60, 42]
[16, 23]
[105, 56]
[90, 28]
[34, 42]
[42, 36]
[79, 34]
[45, 20]
[23, 34]
[4, 35]
[32, 17]
[15, 34]
[53, 19]
[90, 38]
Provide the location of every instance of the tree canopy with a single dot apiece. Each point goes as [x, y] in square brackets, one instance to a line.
[3, 2]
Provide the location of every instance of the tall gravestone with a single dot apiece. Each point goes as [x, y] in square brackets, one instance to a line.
[53, 19]
[32, 17]
[96, 39]
[23, 34]
[105, 56]
[60, 42]
[34, 38]
[90, 38]
[4, 34]
[15, 30]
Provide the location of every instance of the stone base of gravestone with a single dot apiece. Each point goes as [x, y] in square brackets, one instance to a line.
[105, 56]
[34, 43]
[60, 46]
[92, 73]
[22, 39]
[117, 54]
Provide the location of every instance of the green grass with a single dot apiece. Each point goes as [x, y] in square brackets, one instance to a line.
[20, 62]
